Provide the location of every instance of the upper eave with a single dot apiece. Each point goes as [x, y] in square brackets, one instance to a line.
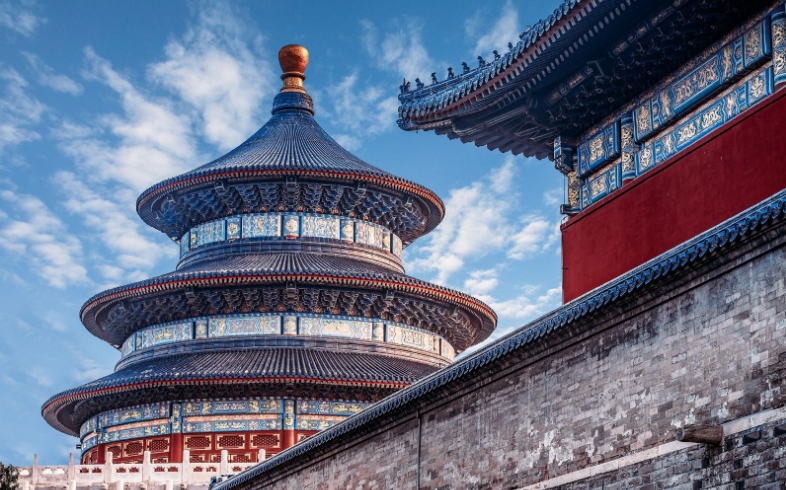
[570, 71]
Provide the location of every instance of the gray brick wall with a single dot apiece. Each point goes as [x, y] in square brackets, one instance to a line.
[711, 349]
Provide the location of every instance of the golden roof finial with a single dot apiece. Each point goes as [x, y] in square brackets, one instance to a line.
[293, 59]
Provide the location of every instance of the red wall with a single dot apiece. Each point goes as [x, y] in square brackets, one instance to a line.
[204, 447]
[727, 172]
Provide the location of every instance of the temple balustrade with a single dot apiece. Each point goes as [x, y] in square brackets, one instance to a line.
[147, 473]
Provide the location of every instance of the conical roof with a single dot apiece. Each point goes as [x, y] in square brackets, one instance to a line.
[290, 147]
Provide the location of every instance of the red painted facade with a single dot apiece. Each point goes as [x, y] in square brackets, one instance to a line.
[719, 177]
[242, 447]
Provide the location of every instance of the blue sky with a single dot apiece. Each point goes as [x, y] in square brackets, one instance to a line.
[99, 100]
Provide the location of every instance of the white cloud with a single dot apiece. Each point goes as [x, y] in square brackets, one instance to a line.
[43, 239]
[400, 50]
[554, 197]
[481, 282]
[149, 142]
[479, 221]
[18, 112]
[18, 17]
[46, 76]
[40, 376]
[215, 70]
[534, 235]
[527, 306]
[119, 229]
[505, 30]
[361, 109]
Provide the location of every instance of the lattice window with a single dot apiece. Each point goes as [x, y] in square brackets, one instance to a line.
[197, 458]
[115, 450]
[161, 460]
[215, 458]
[240, 458]
[158, 445]
[134, 448]
[233, 441]
[198, 442]
[265, 440]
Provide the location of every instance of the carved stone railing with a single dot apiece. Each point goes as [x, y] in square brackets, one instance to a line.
[124, 476]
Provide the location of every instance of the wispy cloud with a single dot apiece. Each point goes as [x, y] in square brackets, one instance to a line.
[482, 220]
[148, 142]
[19, 17]
[400, 49]
[217, 69]
[121, 232]
[43, 239]
[19, 113]
[496, 36]
[361, 109]
[46, 76]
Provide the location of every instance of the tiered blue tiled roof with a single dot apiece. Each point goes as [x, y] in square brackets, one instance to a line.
[293, 170]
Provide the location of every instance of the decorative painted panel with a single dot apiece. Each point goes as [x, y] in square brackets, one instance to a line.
[707, 119]
[318, 422]
[185, 243]
[756, 45]
[629, 147]
[325, 407]
[163, 334]
[200, 329]
[231, 423]
[361, 232]
[378, 332]
[290, 224]
[234, 228]
[135, 430]
[260, 324]
[601, 185]
[447, 350]
[128, 346]
[289, 414]
[335, 327]
[289, 325]
[88, 426]
[347, 230]
[134, 414]
[321, 226]
[599, 148]
[211, 232]
[407, 336]
[233, 406]
[398, 245]
[259, 225]
[778, 34]
[244, 325]
[703, 78]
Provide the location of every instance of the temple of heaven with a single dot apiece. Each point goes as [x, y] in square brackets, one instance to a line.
[289, 309]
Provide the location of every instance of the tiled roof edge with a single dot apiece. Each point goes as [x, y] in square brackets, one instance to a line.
[708, 242]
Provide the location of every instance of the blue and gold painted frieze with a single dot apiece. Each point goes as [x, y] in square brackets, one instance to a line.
[701, 97]
[704, 77]
[708, 118]
[301, 324]
[778, 35]
[599, 149]
[216, 415]
[292, 226]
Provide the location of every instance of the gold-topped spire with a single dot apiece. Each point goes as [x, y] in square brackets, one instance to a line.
[293, 59]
